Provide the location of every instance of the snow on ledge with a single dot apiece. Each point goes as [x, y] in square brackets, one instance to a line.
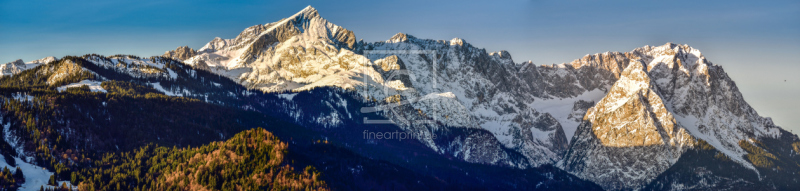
[22, 97]
[93, 85]
[287, 96]
[160, 88]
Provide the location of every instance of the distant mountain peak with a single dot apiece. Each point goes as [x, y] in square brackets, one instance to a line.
[44, 60]
[17, 62]
[306, 14]
[271, 49]
[308, 10]
[399, 37]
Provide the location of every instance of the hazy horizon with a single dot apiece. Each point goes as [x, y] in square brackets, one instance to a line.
[755, 42]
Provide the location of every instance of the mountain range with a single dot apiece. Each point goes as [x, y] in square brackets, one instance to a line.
[655, 118]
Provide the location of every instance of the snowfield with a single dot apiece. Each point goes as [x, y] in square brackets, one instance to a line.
[35, 176]
[94, 86]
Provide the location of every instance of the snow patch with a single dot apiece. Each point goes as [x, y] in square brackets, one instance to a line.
[35, 176]
[158, 87]
[172, 74]
[287, 96]
[93, 85]
[22, 97]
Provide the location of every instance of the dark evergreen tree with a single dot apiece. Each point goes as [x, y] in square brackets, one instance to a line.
[18, 174]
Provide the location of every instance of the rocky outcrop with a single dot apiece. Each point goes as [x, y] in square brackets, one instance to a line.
[181, 53]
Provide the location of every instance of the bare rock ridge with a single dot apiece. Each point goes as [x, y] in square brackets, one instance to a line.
[399, 37]
[181, 53]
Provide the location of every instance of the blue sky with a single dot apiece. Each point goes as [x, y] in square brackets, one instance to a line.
[757, 42]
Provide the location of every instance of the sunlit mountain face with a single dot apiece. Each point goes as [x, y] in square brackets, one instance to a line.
[301, 104]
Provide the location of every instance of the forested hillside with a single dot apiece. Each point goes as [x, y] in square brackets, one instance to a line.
[251, 160]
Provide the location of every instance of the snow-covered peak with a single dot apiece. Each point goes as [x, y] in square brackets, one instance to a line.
[44, 60]
[684, 57]
[216, 44]
[308, 11]
[284, 55]
[301, 20]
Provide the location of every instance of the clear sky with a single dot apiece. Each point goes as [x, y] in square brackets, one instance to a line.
[756, 42]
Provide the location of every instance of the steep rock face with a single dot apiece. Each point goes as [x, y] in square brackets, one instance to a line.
[181, 53]
[629, 137]
[687, 98]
